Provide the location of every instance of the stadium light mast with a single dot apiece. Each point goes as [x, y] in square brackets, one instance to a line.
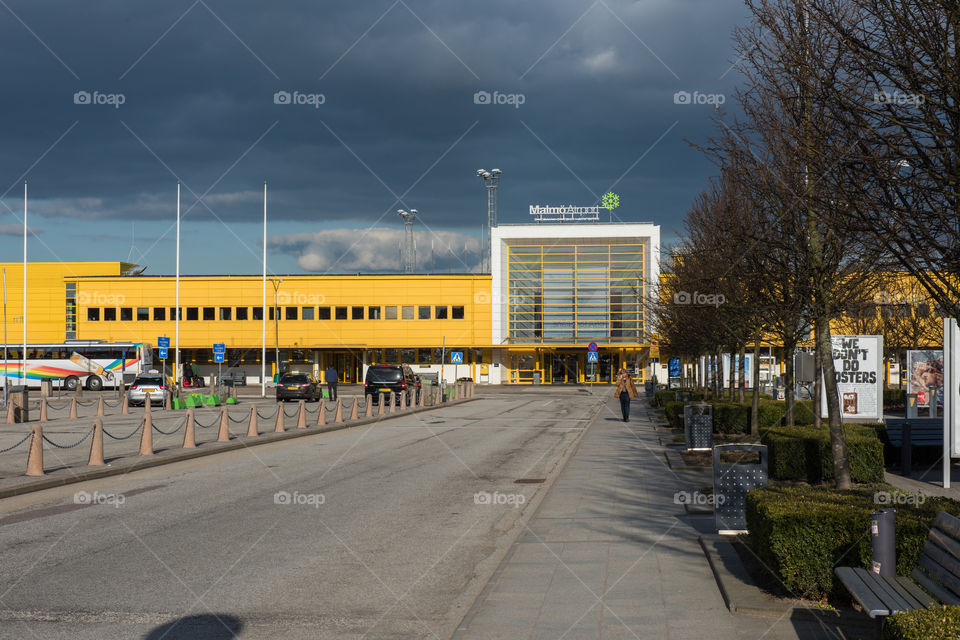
[409, 247]
[491, 179]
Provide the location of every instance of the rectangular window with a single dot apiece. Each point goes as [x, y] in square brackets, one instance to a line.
[306, 313]
[143, 314]
[440, 313]
[406, 313]
[291, 313]
[457, 313]
[242, 313]
[323, 313]
[209, 313]
[274, 312]
[373, 313]
[226, 313]
[390, 313]
[159, 313]
[356, 313]
[193, 313]
[109, 314]
[126, 314]
[93, 314]
[424, 312]
[257, 313]
[174, 314]
[340, 313]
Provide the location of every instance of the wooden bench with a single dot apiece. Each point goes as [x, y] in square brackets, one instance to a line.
[922, 432]
[935, 580]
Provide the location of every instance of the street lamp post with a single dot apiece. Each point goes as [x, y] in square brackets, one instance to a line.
[491, 179]
[276, 321]
[6, 382]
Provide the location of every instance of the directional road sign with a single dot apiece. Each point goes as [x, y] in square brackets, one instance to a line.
[162, 353]
[218, 357]
[163, 341]
[456, 357]
[219, 347]
[592, 356]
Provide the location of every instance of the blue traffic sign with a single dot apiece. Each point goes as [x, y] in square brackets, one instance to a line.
[162, 353]
[456, 357]
[592, 356]
[218, 356]
[163, 341]
[592, 346]
[219, 347]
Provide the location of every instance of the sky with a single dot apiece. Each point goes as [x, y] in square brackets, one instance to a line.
[348, 111]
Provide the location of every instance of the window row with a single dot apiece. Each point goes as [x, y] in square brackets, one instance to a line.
[411, 312]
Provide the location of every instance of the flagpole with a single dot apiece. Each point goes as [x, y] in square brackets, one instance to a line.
[263, 311]
[23, 356]
[176, 359]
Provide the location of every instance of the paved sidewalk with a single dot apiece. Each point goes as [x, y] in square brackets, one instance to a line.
[610, 555]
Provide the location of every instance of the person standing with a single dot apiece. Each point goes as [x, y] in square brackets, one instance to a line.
[625, 390]
[332, 380]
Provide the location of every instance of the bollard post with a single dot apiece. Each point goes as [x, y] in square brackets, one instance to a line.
[932, 411]
[43, 409]
[167, 401]
[368, 406]
[302, 416]
[146, 403]
[883, 534]
[383, 408]
[390, 402]
[906, 450]
[437, 398]
[35, 456]
[338, 417]
[223, 435]
[355, 411]
[125, 406]
[96, 445]
[73, 408]
[10, 419]
[252, 430]
[911, 409]
[146, 436]
[403, 400]
[100, 406]
[322, 414]
[279, 425]
[189, 437]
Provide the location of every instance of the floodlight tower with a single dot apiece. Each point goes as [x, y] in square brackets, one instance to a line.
[491, 179]
[409, 248]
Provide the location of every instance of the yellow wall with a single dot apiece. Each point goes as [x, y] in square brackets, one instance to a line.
[46, 301]
[471, 292]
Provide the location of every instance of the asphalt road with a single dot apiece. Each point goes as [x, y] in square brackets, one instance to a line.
[382, 531]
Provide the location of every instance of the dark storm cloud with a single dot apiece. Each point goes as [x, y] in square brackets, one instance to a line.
[187, 90]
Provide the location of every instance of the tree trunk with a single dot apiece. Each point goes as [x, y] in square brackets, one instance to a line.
[841, 466]
[817, 381]
[742, 383]
[755, 408]
[733, 371]
[788, 383]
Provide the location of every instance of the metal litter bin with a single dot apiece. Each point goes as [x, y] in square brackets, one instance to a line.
[698, 426]
[19, 400]
[731, 482]
[536, 377]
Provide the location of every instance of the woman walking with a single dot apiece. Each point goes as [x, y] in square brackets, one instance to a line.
[625, 391]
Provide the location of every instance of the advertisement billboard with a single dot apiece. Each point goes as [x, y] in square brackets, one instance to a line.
[858, 367]
[925, 374]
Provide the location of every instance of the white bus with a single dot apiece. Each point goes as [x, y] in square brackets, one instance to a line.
[91, 364]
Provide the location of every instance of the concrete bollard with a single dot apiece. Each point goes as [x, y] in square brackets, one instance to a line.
[73, 408]
[252, 430]
[403, 400]
[125, 405]
[100, 412]
[43, 409]
[279, 425]
[322, 413]
[368, 410]
[338, 417]
[223, 435]
[383, 402]
[437, 398]
[390, 402]
[302, 416]
[355, 411]
[146, 403]
[96, 445]
[10, 413]
[189, 435]
[167, 401]
[420, 398]
[35, 456]
[146, 436]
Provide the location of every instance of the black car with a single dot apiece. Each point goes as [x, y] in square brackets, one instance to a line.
[386, 378]
[298, 386]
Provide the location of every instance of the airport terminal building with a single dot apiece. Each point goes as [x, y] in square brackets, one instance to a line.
[554, 288]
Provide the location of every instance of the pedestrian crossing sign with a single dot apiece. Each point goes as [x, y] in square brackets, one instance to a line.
[592, 356]
[456, 357]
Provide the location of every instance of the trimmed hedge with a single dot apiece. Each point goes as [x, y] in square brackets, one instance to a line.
[921, 624]
[894, 397]
[661, 398]
[802, 533]
[804, 453]
[732, 417]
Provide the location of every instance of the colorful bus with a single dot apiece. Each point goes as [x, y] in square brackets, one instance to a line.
[91, 364]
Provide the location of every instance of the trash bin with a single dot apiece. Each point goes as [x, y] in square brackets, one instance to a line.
[536, 377]
[698, 426]
[732, 480]
[19, 400]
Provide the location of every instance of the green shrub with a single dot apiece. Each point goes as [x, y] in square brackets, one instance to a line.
[802, 533]
[803, 412]
[770, 413]
[894, 397]
[661, 398]
[804, 453]
[921, 624]
[730, 417]
[674, 413]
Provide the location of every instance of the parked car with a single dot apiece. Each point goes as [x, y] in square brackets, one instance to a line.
[152, 382]
[387, 378]
[298, 386]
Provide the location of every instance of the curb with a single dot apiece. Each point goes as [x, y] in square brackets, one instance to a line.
[171, 456]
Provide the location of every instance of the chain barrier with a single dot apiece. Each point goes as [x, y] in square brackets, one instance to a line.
[236, 420]
[206, 426]
[76, 444]
[87, 404]
[295, 412]
[60, 408]
[170, 433]
[115, 404]
[25, 438]
[269, 417]
[309, 410]
[140, 426]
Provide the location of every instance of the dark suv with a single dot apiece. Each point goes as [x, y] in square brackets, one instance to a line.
[386, 378]
[298, 386]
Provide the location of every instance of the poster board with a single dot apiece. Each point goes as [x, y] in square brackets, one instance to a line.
[925, 373]
[858, 364]
[951, 397]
